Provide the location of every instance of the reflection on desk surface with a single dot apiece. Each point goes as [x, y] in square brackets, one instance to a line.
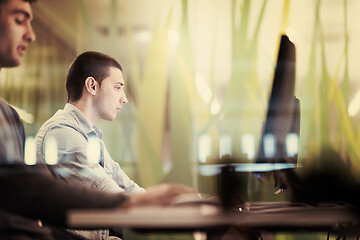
[148, 217]
[196, 199]
[251, 214]
[278, 207]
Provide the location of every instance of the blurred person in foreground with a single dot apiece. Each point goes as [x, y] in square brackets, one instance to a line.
[30, 195]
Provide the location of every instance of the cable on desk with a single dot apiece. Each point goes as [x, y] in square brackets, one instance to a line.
[343, 237]
[260, 237]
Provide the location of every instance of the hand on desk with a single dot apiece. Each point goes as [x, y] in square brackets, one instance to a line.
[159, 195]
[196, 199]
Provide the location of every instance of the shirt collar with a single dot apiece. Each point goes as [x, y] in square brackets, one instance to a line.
[82, 121]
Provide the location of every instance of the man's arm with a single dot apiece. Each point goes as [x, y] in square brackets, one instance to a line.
[29, 191]
[159, 195]
[120, 176]
[73, 164]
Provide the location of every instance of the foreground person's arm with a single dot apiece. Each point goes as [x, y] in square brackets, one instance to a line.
[28, 191]
[38, 195]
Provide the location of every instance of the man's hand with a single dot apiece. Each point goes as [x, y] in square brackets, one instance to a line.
[159, 195]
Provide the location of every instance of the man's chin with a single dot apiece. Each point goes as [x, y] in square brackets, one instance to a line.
[110, 118]
[10, 64]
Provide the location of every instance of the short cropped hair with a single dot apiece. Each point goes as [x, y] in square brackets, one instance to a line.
[2, 2]
[88, 64]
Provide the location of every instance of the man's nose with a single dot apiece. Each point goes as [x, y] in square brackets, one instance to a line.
[123, 99]
[30, 34]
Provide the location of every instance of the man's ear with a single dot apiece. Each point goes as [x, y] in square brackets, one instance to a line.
[91, 85]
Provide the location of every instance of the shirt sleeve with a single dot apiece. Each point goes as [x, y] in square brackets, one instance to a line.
[12, 135]
[120, 176]
[73, 164]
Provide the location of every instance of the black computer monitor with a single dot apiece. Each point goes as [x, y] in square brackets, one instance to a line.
[278, 144]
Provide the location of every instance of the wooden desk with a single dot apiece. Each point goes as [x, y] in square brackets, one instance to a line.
[253, 216]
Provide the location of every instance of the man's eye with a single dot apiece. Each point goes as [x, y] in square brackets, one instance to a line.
[19, 21]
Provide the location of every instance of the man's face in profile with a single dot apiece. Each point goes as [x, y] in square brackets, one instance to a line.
[15, 31]
[110, 96]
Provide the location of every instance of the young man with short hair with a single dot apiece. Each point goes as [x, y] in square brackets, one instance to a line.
[95, 88]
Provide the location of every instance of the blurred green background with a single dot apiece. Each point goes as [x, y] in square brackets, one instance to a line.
[197, 72]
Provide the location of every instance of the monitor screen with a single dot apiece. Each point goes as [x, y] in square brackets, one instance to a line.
[279, 141]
